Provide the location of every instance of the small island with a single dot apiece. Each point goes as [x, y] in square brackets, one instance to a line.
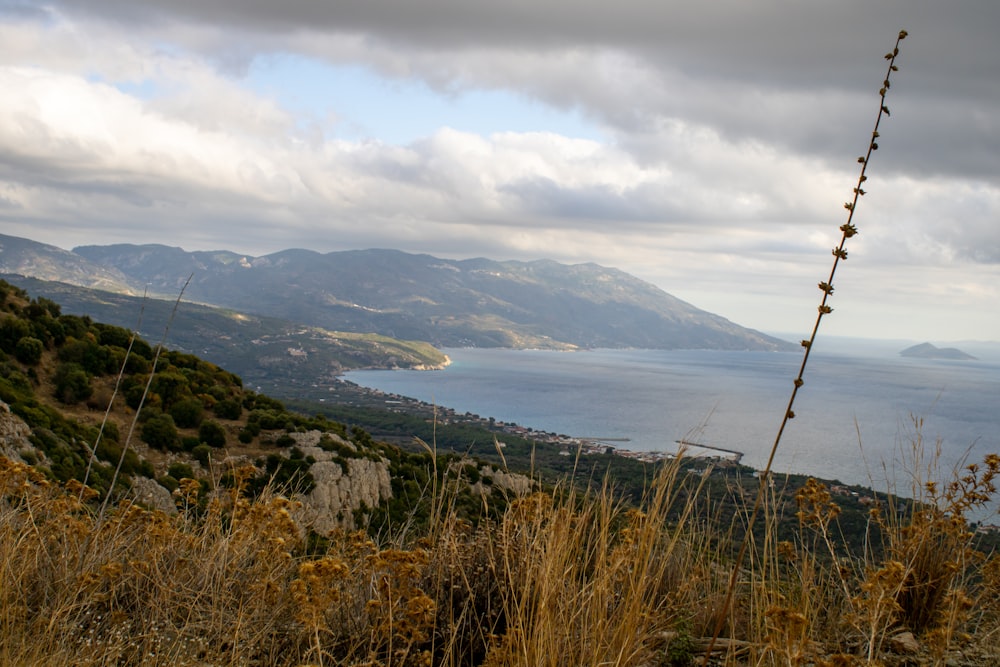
[928, 351]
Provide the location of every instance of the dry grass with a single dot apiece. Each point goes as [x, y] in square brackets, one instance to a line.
[559, 579]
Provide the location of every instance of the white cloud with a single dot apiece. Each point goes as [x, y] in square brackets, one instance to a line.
[725, 148]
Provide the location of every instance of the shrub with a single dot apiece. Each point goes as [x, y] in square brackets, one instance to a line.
[111, 431]
[212, 433]
[187, 413]
[160, 432]
[228, 409]
[111, 452]
[75, 326]
[202, 454]
[179, 470]
[169, 483]
[29, 350]
[170, 386]
[189, 442]
[12, 329]
[95, 359]
[72, 383]
[111, 335]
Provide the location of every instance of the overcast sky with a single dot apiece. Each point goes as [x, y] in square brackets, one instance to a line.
[705, 147]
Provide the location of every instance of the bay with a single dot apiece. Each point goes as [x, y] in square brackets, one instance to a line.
[863, 416]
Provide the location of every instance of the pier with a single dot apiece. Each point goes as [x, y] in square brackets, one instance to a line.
[731, 454]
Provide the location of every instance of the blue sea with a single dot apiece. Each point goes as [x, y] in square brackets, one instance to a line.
[858, 415]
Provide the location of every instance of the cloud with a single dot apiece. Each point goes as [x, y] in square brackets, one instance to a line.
[783, 73]
[722, 140]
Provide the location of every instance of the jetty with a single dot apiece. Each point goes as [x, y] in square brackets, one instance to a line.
[731, 454]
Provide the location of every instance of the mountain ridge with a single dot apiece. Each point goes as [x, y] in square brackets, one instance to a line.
[475, 302]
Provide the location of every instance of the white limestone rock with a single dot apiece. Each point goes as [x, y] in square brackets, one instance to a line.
[343, 485]
[150, 493]
[14, 436]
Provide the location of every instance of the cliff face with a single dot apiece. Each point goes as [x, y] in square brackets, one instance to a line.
[342, 485]
[13, 435]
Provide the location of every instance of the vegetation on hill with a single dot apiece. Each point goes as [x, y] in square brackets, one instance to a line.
[455, 568]
[262, 350]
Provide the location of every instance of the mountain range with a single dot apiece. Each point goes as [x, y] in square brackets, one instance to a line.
[447, 303]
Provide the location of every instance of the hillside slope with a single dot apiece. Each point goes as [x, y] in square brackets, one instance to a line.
[263, 350]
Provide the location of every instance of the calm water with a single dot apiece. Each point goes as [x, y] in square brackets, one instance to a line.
[854, 414]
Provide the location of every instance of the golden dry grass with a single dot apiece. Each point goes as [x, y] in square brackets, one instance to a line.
[559, 579]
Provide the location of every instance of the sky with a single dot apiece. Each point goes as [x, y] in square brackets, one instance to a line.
[707, 148]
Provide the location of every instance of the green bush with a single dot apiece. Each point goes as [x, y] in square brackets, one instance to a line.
[171, 387]
[111, 431]
[109, 334]
[111, 452]
[160, 432]
[228, 409]
[169, 483]
[146, 469]
[202, 454]
[95, 359]
[189, 442]
[72, 383]
[75, 326]
[29, 350]
[291, 474]
[12, 329]
[271, 420]
[180, 470]
[187, 413]
[212, 433]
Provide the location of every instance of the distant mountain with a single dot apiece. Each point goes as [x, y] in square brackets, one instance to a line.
[38, 260]
[448, 303]
[928, 351]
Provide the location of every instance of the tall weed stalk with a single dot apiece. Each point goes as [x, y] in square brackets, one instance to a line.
[848, 230]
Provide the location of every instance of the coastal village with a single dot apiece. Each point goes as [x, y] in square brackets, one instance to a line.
[569, 445]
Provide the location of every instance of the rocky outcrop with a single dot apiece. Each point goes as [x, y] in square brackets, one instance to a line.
[343, 484]
[14, 435]
[150, 493]
[516, 484]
